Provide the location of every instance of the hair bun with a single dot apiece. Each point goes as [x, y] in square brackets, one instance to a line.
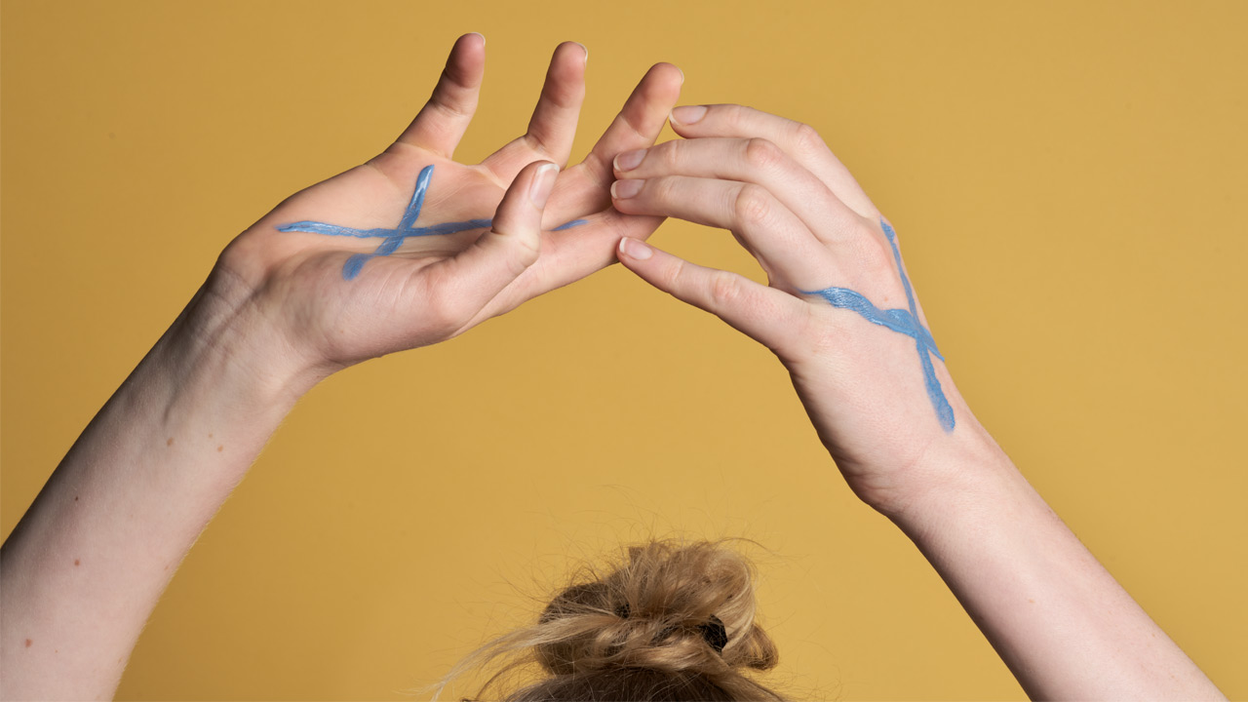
[670, 607]
[672, 621]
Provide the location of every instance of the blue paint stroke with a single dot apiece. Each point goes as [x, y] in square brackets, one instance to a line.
[569, 225]
[394, 238]
[902, 322]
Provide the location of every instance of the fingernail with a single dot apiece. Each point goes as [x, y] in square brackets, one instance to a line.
[629, 160]
[635, 249]
[586, 50]
[688, 114]
[622, 189]
[543, 183]
[480, 35]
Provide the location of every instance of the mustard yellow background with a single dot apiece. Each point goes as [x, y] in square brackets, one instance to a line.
[1070, 180]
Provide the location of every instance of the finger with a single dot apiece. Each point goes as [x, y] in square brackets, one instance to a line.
[754, 160]
[584, 187]
[765, 314]
[773, 234]
[801, 141]
[553, 125]
[443, 120]
[458, 288]
[571, 254]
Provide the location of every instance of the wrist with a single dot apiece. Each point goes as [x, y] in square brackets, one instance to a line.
[225, 337]
[952, 474]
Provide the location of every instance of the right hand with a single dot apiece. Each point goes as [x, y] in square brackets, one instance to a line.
[331, 299]
[789, 201]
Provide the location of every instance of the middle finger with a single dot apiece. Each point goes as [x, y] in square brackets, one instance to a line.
[751, 161]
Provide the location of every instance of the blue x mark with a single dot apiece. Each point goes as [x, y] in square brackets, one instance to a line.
[393, 238]
[902, 322]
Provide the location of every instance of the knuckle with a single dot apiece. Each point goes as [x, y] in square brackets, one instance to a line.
[669, 154]
[527, 251]
[762, 154]
[441, 310]
[807, 138]
[752, 205]
[660, 190]
[874, 254]
[674, 275]
[725, 289]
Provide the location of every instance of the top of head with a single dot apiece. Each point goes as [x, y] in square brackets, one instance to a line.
[676, 621]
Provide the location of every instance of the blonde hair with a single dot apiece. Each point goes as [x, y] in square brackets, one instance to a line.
[651, 628]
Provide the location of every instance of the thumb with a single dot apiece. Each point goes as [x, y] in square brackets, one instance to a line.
[500, 255]
[767, 315]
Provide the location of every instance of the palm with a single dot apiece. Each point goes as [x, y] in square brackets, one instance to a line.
[352, 297]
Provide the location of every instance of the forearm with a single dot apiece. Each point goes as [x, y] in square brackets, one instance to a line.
[1058, 619]
[84, 568]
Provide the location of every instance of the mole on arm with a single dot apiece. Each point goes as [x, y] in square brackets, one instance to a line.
[169, 442]
[28, 643]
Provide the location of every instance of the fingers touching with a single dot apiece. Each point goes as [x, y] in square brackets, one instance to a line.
[777, 187]
[574, 253]
[636, 126]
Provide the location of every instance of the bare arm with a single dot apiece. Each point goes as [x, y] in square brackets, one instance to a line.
[1057, 618]
[841, 315]
[86, 565]
[350, 269]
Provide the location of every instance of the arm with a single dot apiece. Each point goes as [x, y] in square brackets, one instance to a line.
[283, 308]
[840, 314]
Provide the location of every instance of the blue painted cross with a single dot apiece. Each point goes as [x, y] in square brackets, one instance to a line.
[393, 238]
[902, 322]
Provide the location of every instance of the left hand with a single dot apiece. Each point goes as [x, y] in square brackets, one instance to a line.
[882, 401]
[434, 287]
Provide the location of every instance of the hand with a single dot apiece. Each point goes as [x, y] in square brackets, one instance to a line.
[838, 309]
[338, 293]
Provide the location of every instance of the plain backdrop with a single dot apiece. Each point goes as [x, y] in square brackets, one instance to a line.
[1068, 178]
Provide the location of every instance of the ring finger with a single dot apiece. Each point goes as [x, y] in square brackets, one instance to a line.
[772, 233]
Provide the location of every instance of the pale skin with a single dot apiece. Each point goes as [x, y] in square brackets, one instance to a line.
[87, 564]
[1059, 620]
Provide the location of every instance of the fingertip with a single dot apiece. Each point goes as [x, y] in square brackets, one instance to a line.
[630, 249]
[671, 70]
[570, 60]
[467, 59]
[686, 115]
[662, 81]
[542, 183]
